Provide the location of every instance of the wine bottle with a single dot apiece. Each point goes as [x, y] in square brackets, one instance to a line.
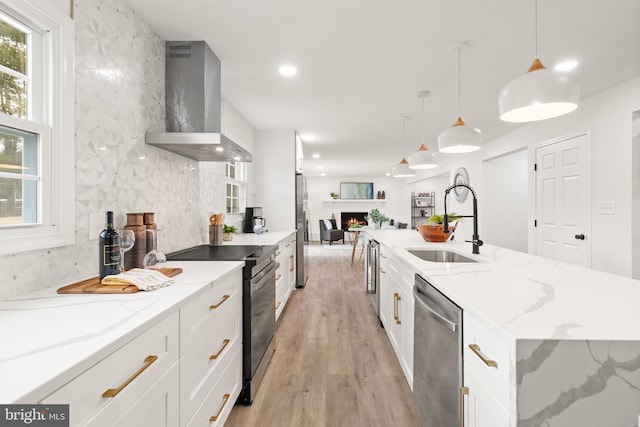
[109, 248]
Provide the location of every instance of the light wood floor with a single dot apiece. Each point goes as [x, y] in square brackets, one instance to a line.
[333, 365]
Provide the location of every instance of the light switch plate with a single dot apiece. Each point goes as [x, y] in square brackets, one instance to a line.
[607, 208]
[96, 225]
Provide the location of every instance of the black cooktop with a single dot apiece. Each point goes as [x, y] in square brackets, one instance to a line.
[222, 253]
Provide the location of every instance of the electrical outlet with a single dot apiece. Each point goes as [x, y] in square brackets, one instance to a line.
[607, 208]
[96, 225]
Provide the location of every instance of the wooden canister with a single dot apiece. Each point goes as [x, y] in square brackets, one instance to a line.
[134, 257]
[151, 229]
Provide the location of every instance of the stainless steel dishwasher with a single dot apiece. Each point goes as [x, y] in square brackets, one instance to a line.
[437, 356]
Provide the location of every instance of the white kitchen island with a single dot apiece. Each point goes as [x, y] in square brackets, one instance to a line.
[566, 338]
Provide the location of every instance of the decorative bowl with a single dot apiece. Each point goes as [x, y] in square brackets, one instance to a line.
[434, 233]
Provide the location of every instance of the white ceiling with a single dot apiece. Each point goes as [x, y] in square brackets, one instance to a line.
[361, 63]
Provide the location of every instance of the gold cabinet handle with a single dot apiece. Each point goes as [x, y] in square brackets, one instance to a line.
[225, 343]
[396, 309]
[214, 306]
[278, 277]
[278, 304]
[225, 398]
[463, 391]
[113, 392]
[291, 258]
[476, 349]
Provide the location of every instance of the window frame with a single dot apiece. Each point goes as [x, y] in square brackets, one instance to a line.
[51, 117]
[240, 181]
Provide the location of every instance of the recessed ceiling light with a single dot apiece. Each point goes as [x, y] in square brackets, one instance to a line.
[323, 174]
[219, 149]
[566, 65]
[288, 70]
[320, 167]
[388, 174]
[316, 156]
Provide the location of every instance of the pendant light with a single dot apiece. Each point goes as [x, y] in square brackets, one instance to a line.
[401, 170]
[422, 159]
[539, 94]
[459, 138]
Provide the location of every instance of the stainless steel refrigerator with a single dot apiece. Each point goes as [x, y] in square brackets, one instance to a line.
[302, 231]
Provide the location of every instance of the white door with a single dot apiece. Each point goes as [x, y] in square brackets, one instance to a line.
[563, 215]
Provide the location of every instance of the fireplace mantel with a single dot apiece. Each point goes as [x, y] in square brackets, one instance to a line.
[358, 201]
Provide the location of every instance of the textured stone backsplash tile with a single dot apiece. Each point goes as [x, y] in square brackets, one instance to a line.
[119, 84]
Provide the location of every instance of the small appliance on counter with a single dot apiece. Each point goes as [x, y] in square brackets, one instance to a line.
[252, 218]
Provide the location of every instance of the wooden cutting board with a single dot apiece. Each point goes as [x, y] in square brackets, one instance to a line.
[93, 285]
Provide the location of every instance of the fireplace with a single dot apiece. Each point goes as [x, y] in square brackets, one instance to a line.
[349, 218]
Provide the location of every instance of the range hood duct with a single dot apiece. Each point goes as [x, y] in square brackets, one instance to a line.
[193, 106]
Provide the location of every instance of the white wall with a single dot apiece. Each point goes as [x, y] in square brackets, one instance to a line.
[505, 201]
[635, 234]
[435, 184]
[607, 118]
[274, 179]
[396, 204]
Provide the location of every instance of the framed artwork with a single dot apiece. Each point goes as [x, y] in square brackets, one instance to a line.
[356, 190]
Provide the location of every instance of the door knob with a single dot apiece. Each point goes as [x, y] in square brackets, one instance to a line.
[579, 236]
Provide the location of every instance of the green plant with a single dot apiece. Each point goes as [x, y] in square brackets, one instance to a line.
[229, 229]
[378, 217]
[334, 195]
[439, 218]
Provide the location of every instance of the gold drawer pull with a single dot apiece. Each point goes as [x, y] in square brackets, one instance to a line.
[113, 392]
[463, 391]
[397, 298]
[224, 298]
[292, 266]
[224, 344]
[224, 402]
[476, 349]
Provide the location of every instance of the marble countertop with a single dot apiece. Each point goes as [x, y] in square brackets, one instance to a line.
[266, 238]
[49, 339]
[525, 296]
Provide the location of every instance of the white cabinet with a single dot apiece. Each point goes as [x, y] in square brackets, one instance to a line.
[286, 272]
[214, 321]
[486, 374]
[130, 377]
[397, 308]
[186, 369]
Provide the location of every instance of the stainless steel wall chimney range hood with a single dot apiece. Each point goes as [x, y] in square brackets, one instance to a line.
[193, 104]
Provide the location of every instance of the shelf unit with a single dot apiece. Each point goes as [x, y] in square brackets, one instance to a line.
[422, 207]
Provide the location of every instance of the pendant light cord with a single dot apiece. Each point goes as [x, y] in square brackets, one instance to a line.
[535, 15]
[459, 91]
[423, 120]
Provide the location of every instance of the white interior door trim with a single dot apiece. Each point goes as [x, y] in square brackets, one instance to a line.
[532, 188]
[533, 150]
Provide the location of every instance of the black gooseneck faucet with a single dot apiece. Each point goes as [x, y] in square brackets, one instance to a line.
[476, 239]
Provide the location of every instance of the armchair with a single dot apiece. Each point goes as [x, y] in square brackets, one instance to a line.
[330, 234]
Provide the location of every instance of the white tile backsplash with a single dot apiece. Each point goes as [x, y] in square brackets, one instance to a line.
[119, 80]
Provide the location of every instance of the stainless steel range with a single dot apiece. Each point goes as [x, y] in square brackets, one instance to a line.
[258, 305]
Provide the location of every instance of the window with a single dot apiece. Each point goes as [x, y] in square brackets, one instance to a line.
[36, 138]
[235, 177]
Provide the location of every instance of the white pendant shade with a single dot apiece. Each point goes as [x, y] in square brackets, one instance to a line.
[459, 138]
[401, 170]
[422, 159]
[539, 94]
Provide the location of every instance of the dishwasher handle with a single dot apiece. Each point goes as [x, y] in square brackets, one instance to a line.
[445, 322]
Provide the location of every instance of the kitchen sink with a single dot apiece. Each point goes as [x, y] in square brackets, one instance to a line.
[433, 255]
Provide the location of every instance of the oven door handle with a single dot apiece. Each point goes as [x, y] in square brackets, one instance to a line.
[261, 278]
[445, 322]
